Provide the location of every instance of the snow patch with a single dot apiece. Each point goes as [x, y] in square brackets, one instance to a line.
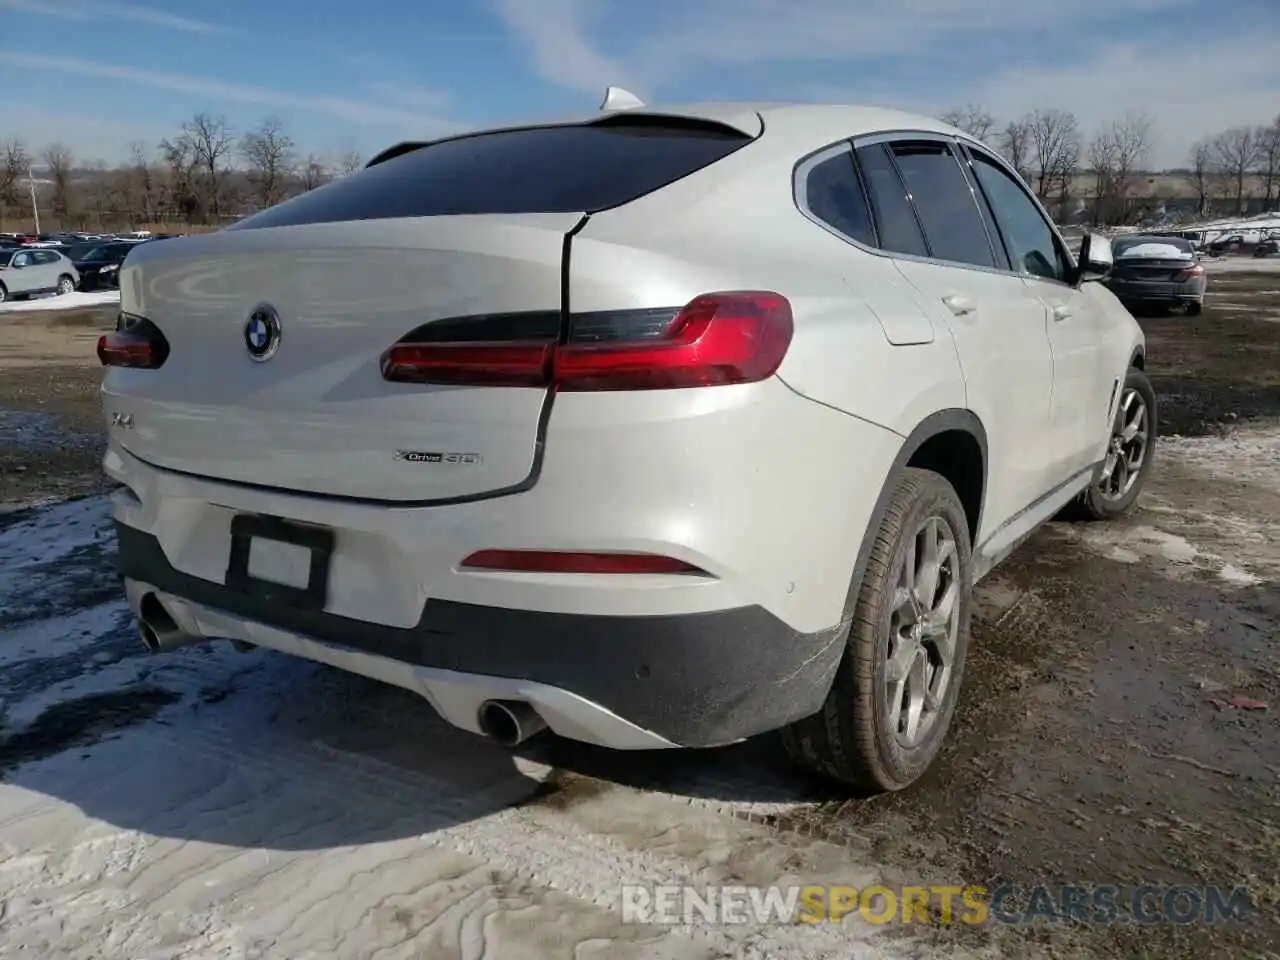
[68, 301]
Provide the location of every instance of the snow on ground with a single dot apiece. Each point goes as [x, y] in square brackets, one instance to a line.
[210, 803]
[70, 301]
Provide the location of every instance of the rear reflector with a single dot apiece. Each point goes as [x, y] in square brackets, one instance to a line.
[555, 561]
[716, 339]
[136, 342]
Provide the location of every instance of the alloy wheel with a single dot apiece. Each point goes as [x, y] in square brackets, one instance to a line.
[924, 627]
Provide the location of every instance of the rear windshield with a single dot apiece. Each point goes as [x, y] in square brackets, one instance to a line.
[1173, 248]
[564, 169]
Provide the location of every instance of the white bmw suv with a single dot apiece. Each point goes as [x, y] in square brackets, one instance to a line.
[661, 427]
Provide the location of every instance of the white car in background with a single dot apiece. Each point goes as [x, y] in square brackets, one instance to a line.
[28, 271]
[669, 426]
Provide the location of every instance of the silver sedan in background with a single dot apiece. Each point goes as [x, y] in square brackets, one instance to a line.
[1157, 272]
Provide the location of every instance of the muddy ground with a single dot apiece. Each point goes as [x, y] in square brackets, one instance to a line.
[1117, 726]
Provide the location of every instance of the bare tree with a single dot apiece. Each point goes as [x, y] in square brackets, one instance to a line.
[211, 142]
[179, 158]
[14, 164]
[1269, 160]
[314, 173]
[1201, 175]
[972, 119]
[1015, 144]
[269, 151]
[1103, 163]
[140, 186]
[1235, 152]
[349, 161]
[1055, 150]
[59, 161]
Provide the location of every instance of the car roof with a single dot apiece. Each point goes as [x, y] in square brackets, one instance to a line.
[807, 126]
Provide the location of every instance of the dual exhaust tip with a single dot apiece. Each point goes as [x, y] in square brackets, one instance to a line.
[506, 722]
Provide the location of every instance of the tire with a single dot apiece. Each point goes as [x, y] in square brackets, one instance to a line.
[1194, 308]
[4, 294]
[65, 285]
[853, 738]
[1099, 502]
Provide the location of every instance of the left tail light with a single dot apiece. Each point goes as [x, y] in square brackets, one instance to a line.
[715, 339]
[1187, 274]
[136, 343]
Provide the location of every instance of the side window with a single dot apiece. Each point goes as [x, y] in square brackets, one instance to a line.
[945, 203]
[896, 223]
[22, 260]
[830, 192]
[48, 258]
[1030, 240]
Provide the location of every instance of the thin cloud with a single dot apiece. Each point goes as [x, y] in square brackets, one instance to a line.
[114, 11]
[1007, 55]
[557, 34]
[217, 91]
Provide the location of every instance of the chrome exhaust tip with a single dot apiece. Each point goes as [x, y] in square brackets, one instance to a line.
[509, 722]
[159, 631]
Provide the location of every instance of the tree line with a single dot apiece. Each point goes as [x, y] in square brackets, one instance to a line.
[206, 174]
[1050, 149]
[209, 173]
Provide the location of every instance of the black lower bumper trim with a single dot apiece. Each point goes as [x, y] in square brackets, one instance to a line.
[696, 679]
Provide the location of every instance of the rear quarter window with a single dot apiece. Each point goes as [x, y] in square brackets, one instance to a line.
[561, 169]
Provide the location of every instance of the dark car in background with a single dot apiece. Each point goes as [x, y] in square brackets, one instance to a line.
[1269, 247]
[1157, 272]
[99, 266]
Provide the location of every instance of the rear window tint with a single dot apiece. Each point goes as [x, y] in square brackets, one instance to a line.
[535, 170]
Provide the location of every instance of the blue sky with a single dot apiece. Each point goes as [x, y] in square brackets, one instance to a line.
[98, 74]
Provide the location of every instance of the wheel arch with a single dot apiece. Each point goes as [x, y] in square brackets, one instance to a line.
[947, 442]
[1138, 358]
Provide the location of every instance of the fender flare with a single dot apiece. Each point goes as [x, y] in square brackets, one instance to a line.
[1138, 358]
[932, 425]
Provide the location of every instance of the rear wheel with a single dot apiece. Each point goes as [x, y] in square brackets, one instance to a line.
[894, 695]
[4, 294]
[1130, 451]
[65, 285]
[1194, 308]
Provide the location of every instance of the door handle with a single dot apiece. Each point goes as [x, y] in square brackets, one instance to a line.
[957, 304]
[1060, 311]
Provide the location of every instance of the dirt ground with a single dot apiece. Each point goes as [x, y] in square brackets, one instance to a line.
[1118, 726]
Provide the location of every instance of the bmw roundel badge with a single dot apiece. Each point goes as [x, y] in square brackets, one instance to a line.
[262, 332]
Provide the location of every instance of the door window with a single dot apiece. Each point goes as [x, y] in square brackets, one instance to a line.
[896, 223]
[1033, 247]
[945, 203]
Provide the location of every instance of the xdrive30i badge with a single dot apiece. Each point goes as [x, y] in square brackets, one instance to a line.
[425, 456]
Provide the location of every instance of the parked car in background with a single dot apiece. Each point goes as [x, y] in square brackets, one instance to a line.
[27, 271]
[658, 484]
[1269, 247]
[99, 266]
[1224, 245]
[1152, 271]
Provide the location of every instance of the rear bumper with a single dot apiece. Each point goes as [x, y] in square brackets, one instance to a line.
[1135, 292]
[766, 491]
[627, 682]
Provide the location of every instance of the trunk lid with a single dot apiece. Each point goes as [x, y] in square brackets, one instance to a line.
[316, 416]
[1156, 270]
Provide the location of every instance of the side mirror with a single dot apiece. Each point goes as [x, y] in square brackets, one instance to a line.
[1095, 260]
